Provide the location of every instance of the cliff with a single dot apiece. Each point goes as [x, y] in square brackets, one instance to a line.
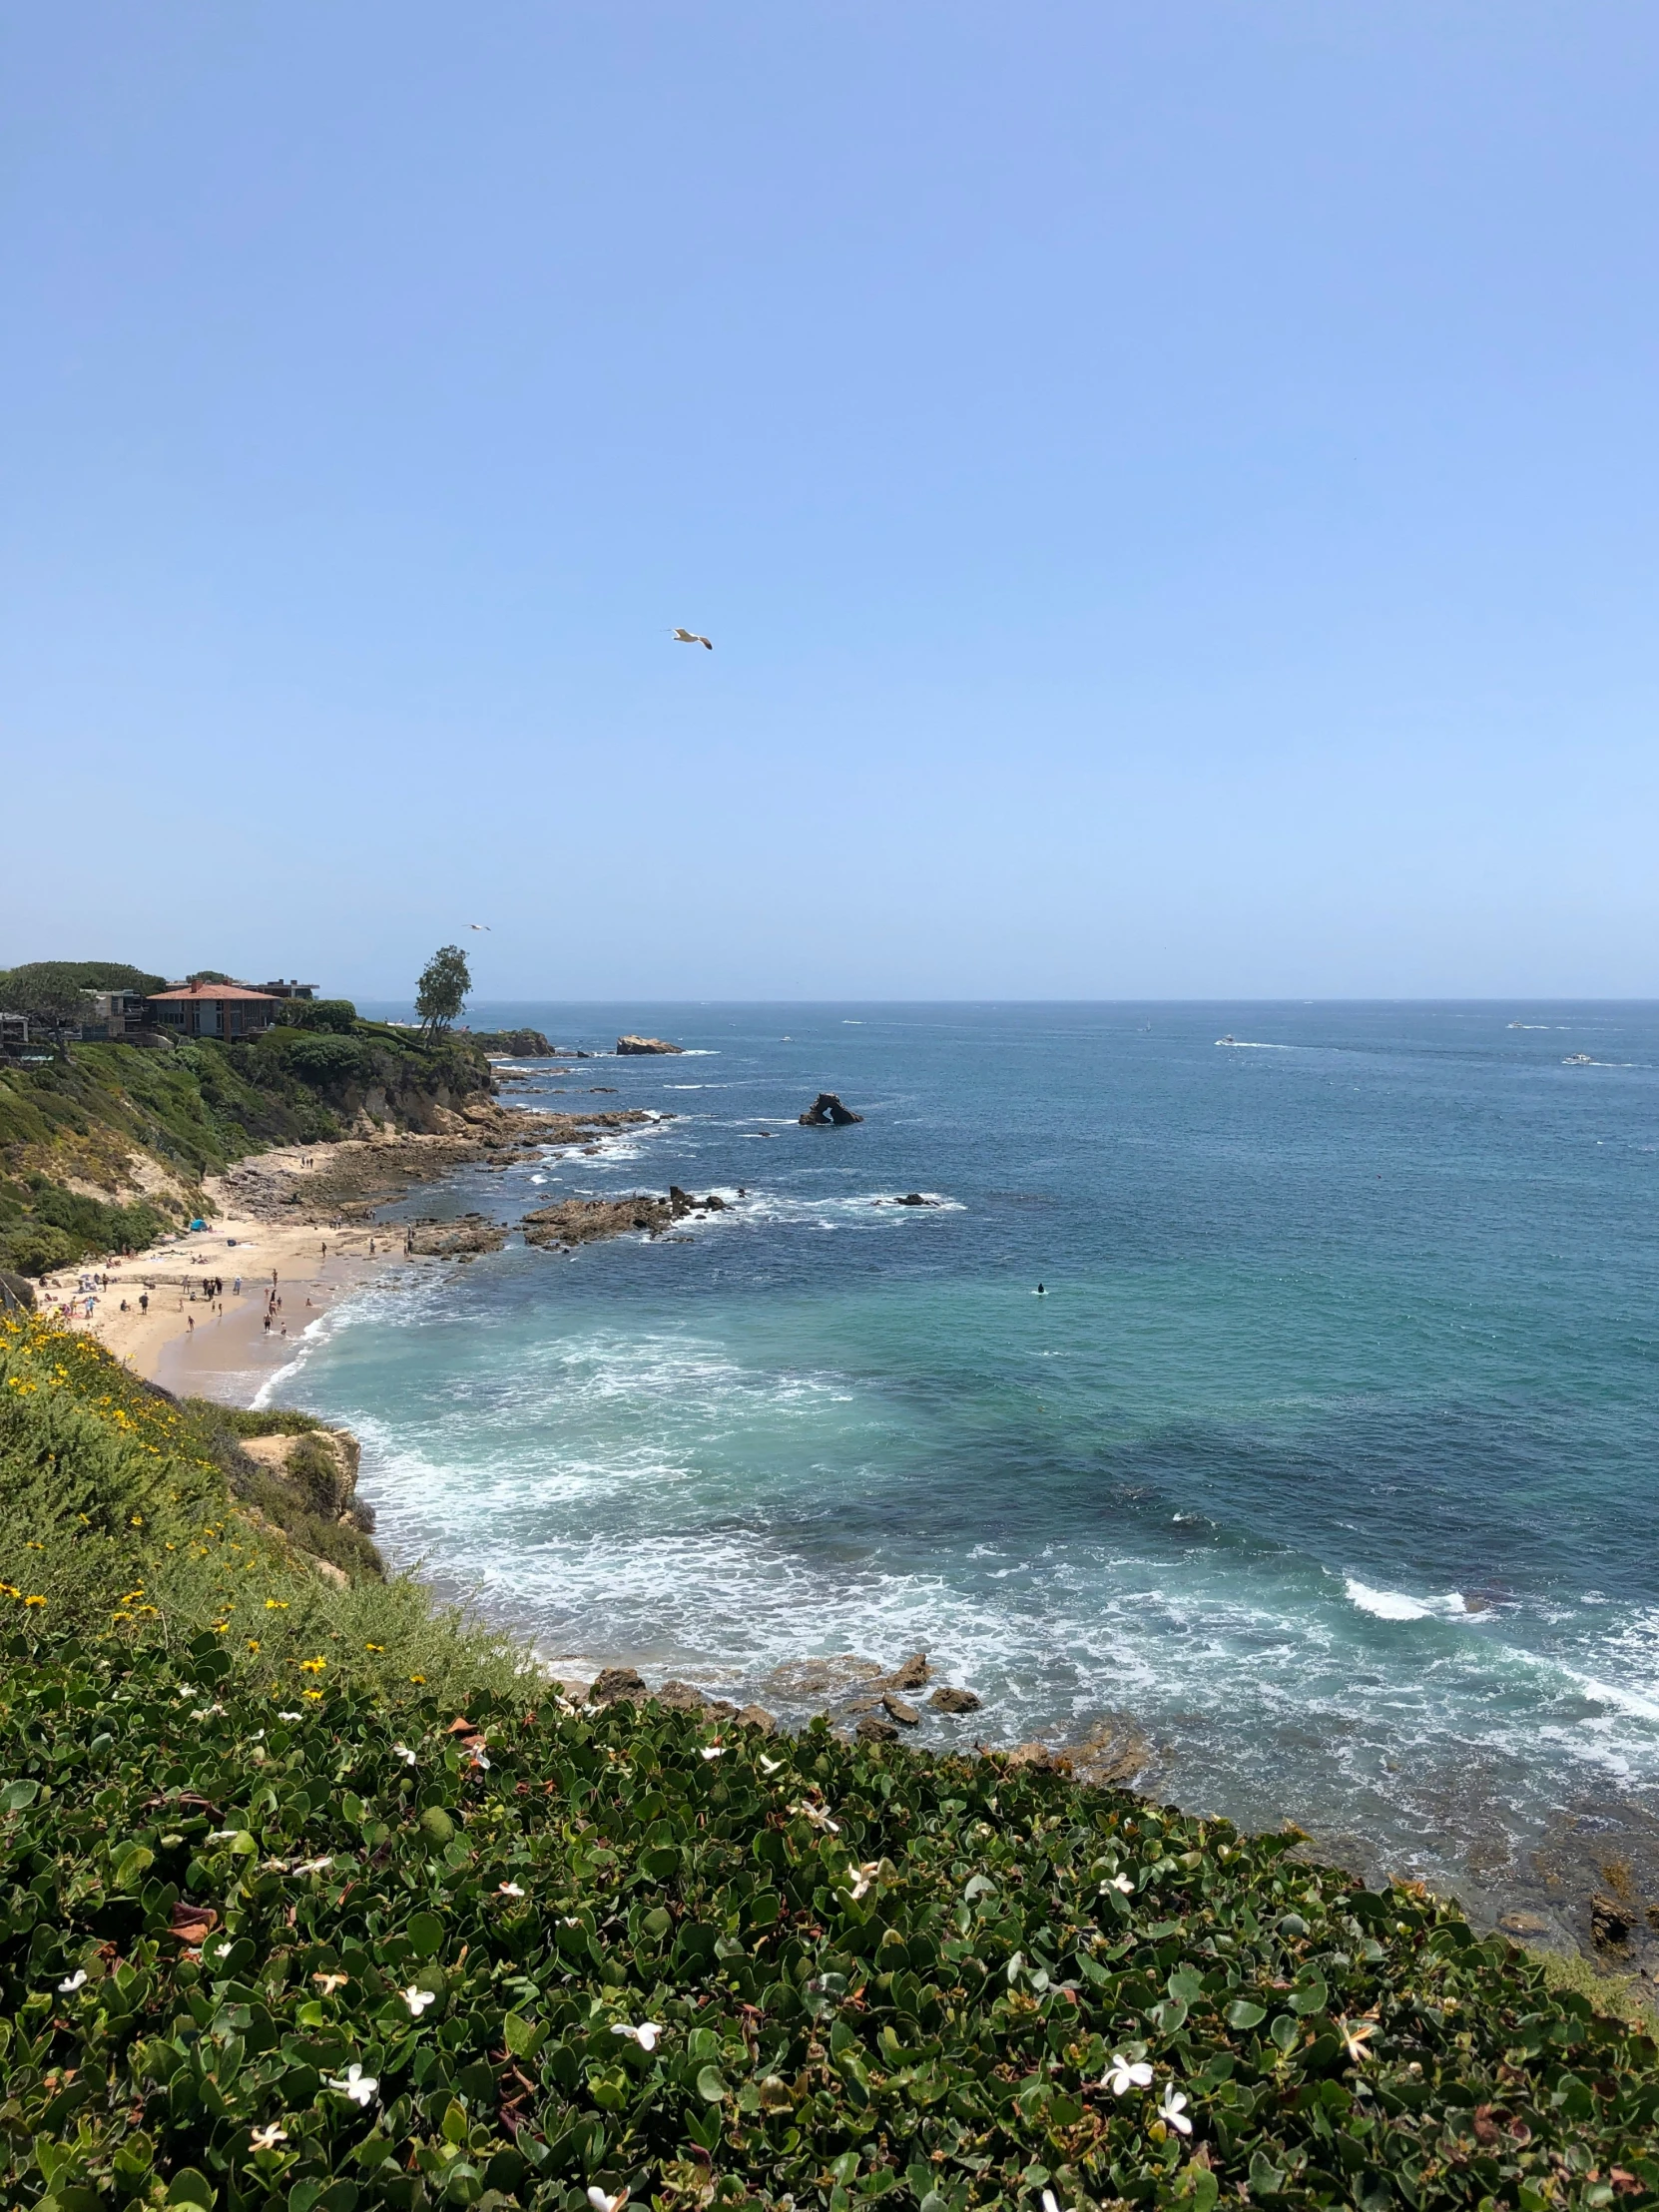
[106, 1149]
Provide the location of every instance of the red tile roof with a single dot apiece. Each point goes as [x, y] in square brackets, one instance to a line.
[216, 991]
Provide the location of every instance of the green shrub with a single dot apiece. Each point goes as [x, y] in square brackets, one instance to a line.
[336, 1015]
[871, 1973]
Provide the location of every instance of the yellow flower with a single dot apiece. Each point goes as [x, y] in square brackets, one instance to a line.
[417, 1678]
[136, 1521]
[252, 1643]
[121, 1616]
[154, 1611]
[219, 1627]
[275, 1604]
[34, 1601]
[314, 1695]
[374, 1647]
[312, 1666]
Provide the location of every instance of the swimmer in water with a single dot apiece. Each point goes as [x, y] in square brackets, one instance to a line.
[1042, 1293]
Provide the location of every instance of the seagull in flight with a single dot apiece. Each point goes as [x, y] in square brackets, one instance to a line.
[477, 925]
[691, 637]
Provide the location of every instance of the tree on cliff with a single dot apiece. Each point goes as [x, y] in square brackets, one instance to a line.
[441, 992]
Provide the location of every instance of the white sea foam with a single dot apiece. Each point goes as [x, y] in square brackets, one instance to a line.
[1251, 1045]
[1395, 1606]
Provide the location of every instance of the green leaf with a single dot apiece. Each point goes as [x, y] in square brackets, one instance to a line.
[1242, 2013]
[710, 2085]
[192, 2187]
[16, 1795]
[425, 1934]
[523, 2037]
[1310, 1997]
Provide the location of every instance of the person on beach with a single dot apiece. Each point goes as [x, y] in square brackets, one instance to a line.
[144, 1302]
[236, 1286]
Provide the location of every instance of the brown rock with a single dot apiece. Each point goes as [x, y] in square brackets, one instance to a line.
[629, 1045]
[949, 1700]
[825, 1109]
[914, 1197]
[897, 1710]
[611, 1683]
[1039, 1758]
[1113, 1752]
[756, 1716]
[585, 1220]
[873, 1730]
[1609, 1923]
[680, 1696]
[719, 1709]
[911, 1674]
[445, 1239]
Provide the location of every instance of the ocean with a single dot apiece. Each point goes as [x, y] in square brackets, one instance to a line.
[1327, 1454]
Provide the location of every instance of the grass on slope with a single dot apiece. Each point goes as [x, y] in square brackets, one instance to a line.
[75, 1122]
[313, 1898]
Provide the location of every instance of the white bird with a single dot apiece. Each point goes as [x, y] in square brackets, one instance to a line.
[691, 637]
[477, 925]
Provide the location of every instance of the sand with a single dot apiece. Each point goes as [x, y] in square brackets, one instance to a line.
[190, 1346]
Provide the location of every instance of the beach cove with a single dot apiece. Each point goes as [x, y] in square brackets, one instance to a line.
[1310, 1463]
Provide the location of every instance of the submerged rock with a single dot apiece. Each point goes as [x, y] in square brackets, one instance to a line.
[447, 1240]
[897, 1710]
[914, 1197]
[825, 1109]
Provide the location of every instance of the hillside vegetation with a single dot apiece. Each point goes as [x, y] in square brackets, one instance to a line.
[317, 1896]
[104, 1149]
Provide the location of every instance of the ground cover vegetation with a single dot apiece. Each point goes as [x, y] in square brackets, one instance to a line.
[70, 1126]
[315, 1896]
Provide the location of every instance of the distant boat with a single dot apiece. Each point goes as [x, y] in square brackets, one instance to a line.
[1578, 1060]
[1226, 1041]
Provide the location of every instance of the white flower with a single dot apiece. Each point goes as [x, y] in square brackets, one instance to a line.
[313, 1865]
[817, 1816]
[602, 2203]
[714, 1751]
[865, 1876]
[419, 1999]
[76, 1980]
[1356, 2035]
[224, 1835]
[770, 1766]
[1122, 2075]
[402, 1751]
[1122, 1882]
[508, 1890]
[358, 2085]
[291, 1716]
[645, 2035]
[1051, 2203]
[477, 1755]
[222, 1950]
[1173, 2110]
[266, 2139]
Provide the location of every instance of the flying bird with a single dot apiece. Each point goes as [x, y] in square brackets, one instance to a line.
[691, 637]
[477, 925]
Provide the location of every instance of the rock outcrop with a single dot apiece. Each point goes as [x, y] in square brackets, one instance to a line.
[453, 1240]
[585, 1220]
[914, 1197]
[826, 1110]
[945, 1699]
[627, 1045]
[578, 1221]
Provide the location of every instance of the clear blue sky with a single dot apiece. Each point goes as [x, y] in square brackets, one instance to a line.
[1173, 490]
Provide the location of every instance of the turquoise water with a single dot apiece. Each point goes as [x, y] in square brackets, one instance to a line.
[1329, 1454]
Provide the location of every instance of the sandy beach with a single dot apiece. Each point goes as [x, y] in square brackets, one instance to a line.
[222, 1348]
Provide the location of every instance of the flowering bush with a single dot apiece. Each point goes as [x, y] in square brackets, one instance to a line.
[262, 1953]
